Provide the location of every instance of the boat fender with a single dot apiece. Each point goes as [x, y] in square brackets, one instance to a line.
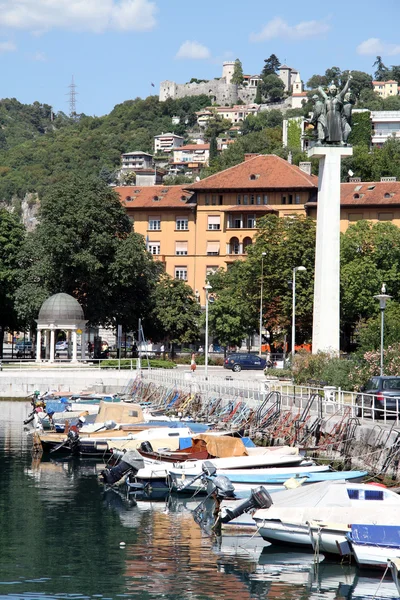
[259, 498]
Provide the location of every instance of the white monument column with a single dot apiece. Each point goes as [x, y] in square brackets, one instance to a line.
[39, 345]
[74, 346]
[326, 318]
[52, 342]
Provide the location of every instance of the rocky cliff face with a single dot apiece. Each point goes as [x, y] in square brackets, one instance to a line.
[29, 211]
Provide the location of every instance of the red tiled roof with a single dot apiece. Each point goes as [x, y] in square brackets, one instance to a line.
[169, 196]
[271, 172]
[195, 147]
[370, 193]
[383, 82]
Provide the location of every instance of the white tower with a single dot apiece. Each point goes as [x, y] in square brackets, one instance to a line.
[227, 70]
[297, 84]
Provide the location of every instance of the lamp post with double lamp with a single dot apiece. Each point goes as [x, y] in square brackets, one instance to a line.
[295, 269]
[207, 289]
[261, 298]
[383, 298]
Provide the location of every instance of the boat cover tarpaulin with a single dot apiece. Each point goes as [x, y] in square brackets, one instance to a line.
[380, 535]
[221, 446]
[120, 412]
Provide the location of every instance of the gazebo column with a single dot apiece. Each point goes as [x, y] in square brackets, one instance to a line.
[39, 345]
[52, 344]
[74, 346]
[83, 344]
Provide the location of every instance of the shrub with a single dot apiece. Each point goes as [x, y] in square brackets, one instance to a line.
[280, 373]
[323, 369]
[126, 364]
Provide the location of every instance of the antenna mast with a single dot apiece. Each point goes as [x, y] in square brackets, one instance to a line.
[72, 99]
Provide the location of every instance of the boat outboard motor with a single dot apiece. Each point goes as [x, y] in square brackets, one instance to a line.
[259, 498]
[131, 461]
[223, 487]
[146, 447]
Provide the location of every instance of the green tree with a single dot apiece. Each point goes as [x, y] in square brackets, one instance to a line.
[391, 103]
[368, 333]
[176, 312]
[360, 81]
[395, 73]
[258, 98]
[84, 246]
[315, 81]
[361, 130]
[333, 75]
[271, 66]
[215, 126]
[370, 256]
[237, 76]
[273, 88]
[213, 148]
[381, 71]
[11, 239]
[370, 100]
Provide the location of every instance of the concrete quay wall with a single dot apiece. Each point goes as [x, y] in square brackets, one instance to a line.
[19, 384]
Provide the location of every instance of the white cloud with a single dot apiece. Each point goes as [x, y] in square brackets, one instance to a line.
[193, 50]
[38, 57]
[78, 15]
[375, 46]
[277, 28]
[7, 47]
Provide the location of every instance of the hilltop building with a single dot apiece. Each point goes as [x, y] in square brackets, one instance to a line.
[167, 142]
[222, 90]
[385, 89]
[135, 161]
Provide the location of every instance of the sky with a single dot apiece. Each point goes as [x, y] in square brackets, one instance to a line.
[116, 49]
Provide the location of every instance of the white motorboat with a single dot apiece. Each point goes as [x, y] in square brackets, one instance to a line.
[374, 545]
[287, 520]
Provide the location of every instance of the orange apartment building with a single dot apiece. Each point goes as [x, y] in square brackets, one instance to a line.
[198, 228]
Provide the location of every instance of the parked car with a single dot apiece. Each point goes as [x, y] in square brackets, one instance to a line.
[24, 348]
[237, 362]
[378, 394]
[61, 345]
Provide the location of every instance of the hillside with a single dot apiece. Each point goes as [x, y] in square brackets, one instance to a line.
[36, 152]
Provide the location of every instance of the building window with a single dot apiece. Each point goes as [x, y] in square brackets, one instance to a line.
[214, 199]
[220, 199]
[207, 199]
[297, 199]
[154, 247]
[283, 199]
[258, 200]
[246, 243]
[385, 216]
[212, 248]
[155, 223]
[265, 198]
[245, 199]
[355, 216]
[290, 199]
[239, 199]
[181, 248]
[181, 273]
[252, 198]
[214, 222]
[251, 221]
[234, 246]
[182, 223]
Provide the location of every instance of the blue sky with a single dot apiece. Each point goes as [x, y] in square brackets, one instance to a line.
[116, 48]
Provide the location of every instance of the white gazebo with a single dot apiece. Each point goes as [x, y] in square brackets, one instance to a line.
[60, 311]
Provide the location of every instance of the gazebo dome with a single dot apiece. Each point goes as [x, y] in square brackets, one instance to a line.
[60, 308]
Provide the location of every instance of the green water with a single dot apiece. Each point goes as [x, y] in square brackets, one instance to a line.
[60, 537]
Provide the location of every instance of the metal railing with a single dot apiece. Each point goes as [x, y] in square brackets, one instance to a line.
[335, 401]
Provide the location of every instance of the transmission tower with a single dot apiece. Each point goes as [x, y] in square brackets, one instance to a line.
[72, 99]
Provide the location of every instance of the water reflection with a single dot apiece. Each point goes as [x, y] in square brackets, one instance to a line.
[61, 535]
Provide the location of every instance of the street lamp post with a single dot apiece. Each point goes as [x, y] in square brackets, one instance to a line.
[261, 298]
[207, 289]
[294, 307]
[383, 297]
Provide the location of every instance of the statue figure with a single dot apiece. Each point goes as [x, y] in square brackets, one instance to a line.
[333, 110]
[318, 118]
[346, 116]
